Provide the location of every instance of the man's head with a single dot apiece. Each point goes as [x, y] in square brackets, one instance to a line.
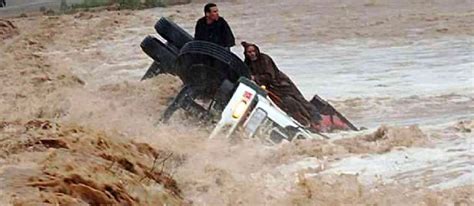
[211, 12]
[251, 51]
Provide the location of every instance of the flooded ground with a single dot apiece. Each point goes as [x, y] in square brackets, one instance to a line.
[402, 69]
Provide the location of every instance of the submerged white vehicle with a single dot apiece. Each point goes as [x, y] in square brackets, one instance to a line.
[253, 113]
[212, 73]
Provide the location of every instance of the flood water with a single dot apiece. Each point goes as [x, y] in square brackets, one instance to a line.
[373, 82]
[428, 83]
[401, 69]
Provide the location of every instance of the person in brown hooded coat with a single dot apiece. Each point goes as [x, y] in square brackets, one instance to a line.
[281, 89]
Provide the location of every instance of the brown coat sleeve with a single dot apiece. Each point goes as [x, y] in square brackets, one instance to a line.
[266, 73]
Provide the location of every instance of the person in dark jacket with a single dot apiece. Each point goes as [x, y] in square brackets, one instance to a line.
[214, 28]
[3, 3]
[281, 89]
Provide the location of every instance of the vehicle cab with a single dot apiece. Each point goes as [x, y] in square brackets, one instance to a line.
[252, 113]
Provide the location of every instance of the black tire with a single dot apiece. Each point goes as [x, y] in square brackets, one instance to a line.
[172, 48]
[234, 64]
[172, 33]
[161, 53]
[205, 65]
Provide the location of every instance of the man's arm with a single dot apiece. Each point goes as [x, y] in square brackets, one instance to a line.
[228, 36]
[198, 31]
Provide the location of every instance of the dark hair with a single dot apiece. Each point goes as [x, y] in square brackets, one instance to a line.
[208, 6]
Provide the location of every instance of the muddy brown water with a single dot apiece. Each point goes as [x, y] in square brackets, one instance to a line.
[419, 85]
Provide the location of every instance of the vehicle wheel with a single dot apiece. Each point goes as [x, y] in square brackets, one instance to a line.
[230, 63]
[161, 53]
[172, 33]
